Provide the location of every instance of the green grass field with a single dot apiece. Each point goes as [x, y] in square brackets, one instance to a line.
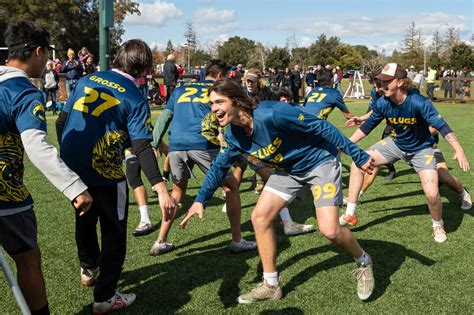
[413, 273]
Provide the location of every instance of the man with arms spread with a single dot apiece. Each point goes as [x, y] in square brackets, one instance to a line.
[305, 151]
[411, 115]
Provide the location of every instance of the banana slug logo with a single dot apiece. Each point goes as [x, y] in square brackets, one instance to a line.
[38, 111]
[107, 155]
[11, 169]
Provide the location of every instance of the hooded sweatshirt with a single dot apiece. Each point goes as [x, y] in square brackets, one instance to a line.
[23, 128]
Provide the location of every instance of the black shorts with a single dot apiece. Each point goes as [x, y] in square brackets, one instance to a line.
[18, 232]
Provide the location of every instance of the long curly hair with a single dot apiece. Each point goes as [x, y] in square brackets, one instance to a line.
[236, 93]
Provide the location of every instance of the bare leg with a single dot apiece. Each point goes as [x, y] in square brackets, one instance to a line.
[267, 208]
[429, 183]
[234, 209]
[330, 228]
[179, 189]
[448, 179]
[30, 278]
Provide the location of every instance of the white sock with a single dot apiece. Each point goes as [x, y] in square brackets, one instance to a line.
[439, 223]
[144, 214]
[361, 193]
[351, 208]
[271, 278]
[285, 215]
[364, 259]
[464, 193]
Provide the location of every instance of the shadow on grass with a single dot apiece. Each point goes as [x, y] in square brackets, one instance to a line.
[164, 287]
[391, 254]
[452, 215]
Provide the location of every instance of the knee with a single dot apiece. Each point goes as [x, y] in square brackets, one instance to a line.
[29, 261]
[260, 220]
[331, 233]
[432, 197]
[230, 185]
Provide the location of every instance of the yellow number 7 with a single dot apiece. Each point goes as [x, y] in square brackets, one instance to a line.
[429, 158]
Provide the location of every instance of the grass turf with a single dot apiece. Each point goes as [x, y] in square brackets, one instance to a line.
[413, 273]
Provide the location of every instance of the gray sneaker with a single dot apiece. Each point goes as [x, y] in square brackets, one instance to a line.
[293, 228]
[365, 280]
[161, 248]
[262, 292]
[243, 246]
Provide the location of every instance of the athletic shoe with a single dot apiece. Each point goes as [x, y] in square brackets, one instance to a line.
[242, 246]
[292, 228]
[439, 234]
[117, 302]
[347, 219]
[365, 280]
[89, 276]
[259, 188]
[262, 292]
[224, 208]
[161, 248]
[466, 202]
[143, 228]
[390, 175]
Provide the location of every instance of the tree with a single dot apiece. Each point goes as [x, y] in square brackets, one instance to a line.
[72, 24]
[365, 52]
[462, 56]
[299, 56]
[322, 51]
[258, 57]
[236, 50]
[413, 51]
[191, 41]
[348, 57]
[169, 46]
[278, 58]
[199, 57]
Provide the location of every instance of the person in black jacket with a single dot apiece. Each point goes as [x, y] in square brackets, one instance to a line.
[274, 78]
[73, 70]
[170, 75]
[296, 84]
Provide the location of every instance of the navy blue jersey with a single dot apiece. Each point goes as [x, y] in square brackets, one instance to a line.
[21, 108]
[322, 100]
[284, 137]
[409, 121]
[105, 112]
[191, 127]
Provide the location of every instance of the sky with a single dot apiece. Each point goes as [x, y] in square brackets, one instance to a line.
[378, 24]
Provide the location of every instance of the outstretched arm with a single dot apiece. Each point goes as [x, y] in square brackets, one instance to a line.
[459, 154]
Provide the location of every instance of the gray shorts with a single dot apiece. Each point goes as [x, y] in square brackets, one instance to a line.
[420, 161]
[324, 182]
[182, 163]
[18, 232]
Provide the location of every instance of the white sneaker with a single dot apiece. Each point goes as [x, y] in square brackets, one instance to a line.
[365, 280]
[242, 246]
[466, 202]
[117, 302]
[292, 228]
[89, 276]
[439, 234]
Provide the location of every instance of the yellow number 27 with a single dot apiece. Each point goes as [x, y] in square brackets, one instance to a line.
[92, 96]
